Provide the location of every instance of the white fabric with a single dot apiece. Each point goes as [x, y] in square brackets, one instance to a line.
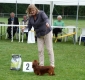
[31, 36]
[56, 2]
[25, 30]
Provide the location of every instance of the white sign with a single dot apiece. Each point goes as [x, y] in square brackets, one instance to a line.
[27, 67]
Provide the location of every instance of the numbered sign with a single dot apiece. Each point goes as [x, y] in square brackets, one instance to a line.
[27, 67]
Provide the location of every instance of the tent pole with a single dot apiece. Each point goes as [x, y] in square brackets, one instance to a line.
[77, 14]
[16, 8]
[43, 7]
[51, 11]
[77, 20]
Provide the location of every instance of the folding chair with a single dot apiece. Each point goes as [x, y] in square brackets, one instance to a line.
[1, 28]
[25, 31]
[82, 35]
[69, 31]
[60, 34]
[16, 34]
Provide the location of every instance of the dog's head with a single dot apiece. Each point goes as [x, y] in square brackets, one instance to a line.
[35, 63]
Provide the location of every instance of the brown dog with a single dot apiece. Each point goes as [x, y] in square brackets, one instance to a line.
[41, 70]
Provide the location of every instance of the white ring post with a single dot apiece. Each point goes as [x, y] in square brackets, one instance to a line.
[22, 32]
[12, 32]
[19, 31]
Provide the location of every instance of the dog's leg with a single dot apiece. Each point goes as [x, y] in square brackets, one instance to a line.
[51, 72]
[39, 74]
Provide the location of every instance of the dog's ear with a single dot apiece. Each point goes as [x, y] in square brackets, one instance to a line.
[35, 61]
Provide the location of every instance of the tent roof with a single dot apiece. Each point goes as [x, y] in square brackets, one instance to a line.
[56, 2]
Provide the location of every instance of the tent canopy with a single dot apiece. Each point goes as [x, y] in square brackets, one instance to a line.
[56, 2]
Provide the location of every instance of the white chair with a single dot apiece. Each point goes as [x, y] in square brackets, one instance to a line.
[68, 31]
[16, 34]
[82, 35]
[25, 31]
[12, 33]
[62, 33]
[1, 28]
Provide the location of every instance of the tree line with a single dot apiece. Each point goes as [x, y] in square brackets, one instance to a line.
[62, 10]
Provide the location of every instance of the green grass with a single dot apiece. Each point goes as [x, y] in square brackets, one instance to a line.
[5, 19]
[69, 59]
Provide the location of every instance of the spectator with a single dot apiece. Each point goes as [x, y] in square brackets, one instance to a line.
[25, 22]
[58, 23]
[15, 22]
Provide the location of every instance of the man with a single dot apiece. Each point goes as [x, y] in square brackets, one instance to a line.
[58, 22]
[15, 22]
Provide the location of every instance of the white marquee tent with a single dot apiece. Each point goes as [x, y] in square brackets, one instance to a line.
[57, 2]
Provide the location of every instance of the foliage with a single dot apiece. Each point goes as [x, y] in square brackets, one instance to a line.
[82, 10]
[69, 60]
[21, 8]
[7, 8]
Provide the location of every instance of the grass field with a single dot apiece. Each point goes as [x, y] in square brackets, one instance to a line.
[69, 59]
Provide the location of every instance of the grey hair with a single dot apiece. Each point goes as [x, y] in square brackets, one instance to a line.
[59, 16]
[12, 13]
